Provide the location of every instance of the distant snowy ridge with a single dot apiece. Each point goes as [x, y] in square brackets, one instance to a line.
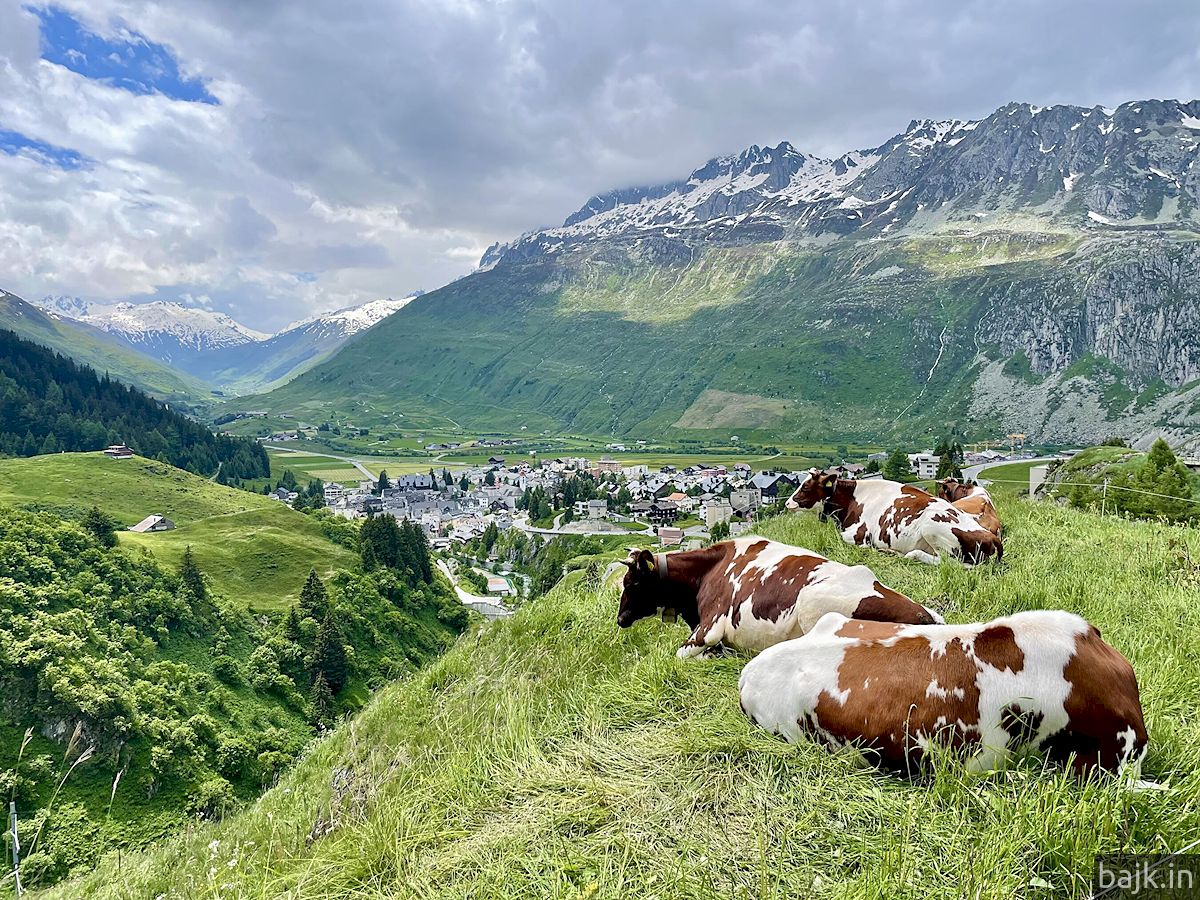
[353, 319]
[1078, 167]
[216, 348]
[192, 327]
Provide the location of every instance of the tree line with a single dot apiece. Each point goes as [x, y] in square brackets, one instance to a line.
[50, 403]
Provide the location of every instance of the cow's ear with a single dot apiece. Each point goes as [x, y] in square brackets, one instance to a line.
[644, 561]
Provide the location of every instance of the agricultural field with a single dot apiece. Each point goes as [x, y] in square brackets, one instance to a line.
[306, 465]
[254, 550]
[605, 767]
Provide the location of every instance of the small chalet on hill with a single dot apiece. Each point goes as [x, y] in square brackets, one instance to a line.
[152, 523]
[118, 451]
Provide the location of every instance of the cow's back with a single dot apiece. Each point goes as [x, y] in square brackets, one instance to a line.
[766, 592]
[980, 506]
[1040, 680]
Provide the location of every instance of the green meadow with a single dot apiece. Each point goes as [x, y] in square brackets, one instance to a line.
[554, 755]
[255, 550]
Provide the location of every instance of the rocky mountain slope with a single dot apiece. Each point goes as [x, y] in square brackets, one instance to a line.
[1032, 271]
[216, 348]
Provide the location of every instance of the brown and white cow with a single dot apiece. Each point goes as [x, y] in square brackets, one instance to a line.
[902, 518]
[751, 593]
[973, 498]
[1038, 681]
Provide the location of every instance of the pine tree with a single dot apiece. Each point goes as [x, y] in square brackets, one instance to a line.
[191, 577]
[1162, 474]
[948, 467]
[384, 484]
[291, 627]
[314, 602]
[100, 526]
[897, 467]
[329, 655]
[320, 698]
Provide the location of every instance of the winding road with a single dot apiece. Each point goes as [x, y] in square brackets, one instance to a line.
[488, 607]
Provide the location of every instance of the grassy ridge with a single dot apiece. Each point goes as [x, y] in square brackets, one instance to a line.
[255, 550]
[553, 755]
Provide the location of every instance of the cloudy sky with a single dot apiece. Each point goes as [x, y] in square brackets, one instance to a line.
[276, 159]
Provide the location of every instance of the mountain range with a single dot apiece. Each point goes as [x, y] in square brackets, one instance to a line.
[1036, 271]
[208, 347]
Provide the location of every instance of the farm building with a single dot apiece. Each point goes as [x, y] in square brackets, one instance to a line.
[153, 523]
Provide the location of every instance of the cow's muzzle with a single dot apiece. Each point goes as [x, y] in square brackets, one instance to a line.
[792, 504]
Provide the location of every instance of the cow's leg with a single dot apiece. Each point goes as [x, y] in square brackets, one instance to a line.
[703, 641]
[923, 556]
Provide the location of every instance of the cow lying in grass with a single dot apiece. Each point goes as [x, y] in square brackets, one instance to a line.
[751, 593]
[972, 498]
[1031, 682]
[888, 515]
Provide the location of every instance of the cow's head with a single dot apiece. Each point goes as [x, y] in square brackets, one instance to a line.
[952, 489]
[814, 490]
[642, 589]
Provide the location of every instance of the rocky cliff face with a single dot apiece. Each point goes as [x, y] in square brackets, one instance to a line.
[1135, 303]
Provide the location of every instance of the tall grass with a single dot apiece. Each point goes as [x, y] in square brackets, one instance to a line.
[552, 755]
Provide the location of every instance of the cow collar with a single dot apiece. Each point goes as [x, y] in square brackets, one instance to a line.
[669, 614]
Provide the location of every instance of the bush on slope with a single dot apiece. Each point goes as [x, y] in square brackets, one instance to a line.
[553, 755]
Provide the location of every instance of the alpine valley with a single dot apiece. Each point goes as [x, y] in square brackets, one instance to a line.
[204, 349]
[1035, 271]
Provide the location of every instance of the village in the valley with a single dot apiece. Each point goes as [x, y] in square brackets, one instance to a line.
[685, 506]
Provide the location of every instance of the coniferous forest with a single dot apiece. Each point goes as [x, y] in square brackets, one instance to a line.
[50, 403]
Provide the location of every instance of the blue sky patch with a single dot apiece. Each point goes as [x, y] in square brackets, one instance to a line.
[137, 65]
[15, 144]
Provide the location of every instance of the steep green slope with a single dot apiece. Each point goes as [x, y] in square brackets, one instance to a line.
[104, 353]
[555, 756]
[255, 550]
[136, 700]
[844, 340]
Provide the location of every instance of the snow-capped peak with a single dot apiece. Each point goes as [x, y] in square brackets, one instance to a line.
[354, 319]
[196, 327]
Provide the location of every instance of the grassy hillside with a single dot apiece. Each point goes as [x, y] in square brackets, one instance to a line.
[102, 352]
[847, 341]
[556, 756]
[255, 550]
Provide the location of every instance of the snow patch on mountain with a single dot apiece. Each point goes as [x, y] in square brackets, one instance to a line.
[353, 319]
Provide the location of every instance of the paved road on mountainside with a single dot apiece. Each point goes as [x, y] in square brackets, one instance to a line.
[972, 472]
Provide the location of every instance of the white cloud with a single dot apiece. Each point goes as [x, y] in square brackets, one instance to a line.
[379, 145]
